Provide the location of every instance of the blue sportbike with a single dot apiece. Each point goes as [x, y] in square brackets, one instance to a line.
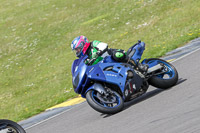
[108, 84]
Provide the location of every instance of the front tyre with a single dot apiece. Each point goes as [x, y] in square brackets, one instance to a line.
[8, 126]
[109, 104]
[167, 79]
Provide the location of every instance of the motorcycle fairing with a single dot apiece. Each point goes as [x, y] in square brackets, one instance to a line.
[113, 73]
[132, 86]
[117, 73]
[78, 74]
[76, 63]
[94, 72]
[135, 52]
[108, 59]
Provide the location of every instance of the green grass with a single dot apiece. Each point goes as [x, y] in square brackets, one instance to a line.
[35, 54]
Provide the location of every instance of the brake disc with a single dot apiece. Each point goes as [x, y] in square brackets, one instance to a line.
[110, 98]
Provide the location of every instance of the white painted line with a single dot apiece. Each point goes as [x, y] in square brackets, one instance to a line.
[51, 117]
[185, 55]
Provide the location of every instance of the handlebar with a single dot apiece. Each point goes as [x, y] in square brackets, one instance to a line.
[91, 61]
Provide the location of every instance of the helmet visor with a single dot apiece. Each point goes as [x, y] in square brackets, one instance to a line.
[77, 51]
[77, 48]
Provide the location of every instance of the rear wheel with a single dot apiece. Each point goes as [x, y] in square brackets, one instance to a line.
[107, 104]
[168, 76]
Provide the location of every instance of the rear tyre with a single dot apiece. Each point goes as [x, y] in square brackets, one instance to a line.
[9, 126]
[167, 79]
[109, 104]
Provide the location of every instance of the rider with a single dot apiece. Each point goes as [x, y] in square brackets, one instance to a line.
[98, 50]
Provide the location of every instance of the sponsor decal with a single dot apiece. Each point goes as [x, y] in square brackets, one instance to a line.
[126, 92]
[113, 75]
[76, 68]
[91, 69]
[131, 88]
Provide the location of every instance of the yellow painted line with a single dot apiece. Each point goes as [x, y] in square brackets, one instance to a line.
[170, 60]
[69, 103]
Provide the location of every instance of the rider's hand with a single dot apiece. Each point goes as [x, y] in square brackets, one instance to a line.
[97, 54]
[91, 61]
[87, 61]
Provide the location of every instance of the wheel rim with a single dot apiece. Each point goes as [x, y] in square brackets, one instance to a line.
[9, 129]
[169, 72]
[111, 101]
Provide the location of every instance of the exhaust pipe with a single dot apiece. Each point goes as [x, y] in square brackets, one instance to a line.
[155, 68]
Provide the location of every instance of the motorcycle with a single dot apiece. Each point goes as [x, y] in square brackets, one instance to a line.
[8, 126]
[108, 84]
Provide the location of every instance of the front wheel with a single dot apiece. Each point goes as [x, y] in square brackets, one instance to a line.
[107, 104]
[8, 126]
[168, 76]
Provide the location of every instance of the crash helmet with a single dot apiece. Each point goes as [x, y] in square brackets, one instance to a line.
[80, 45]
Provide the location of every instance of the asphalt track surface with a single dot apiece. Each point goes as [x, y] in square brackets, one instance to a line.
[176, 110]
